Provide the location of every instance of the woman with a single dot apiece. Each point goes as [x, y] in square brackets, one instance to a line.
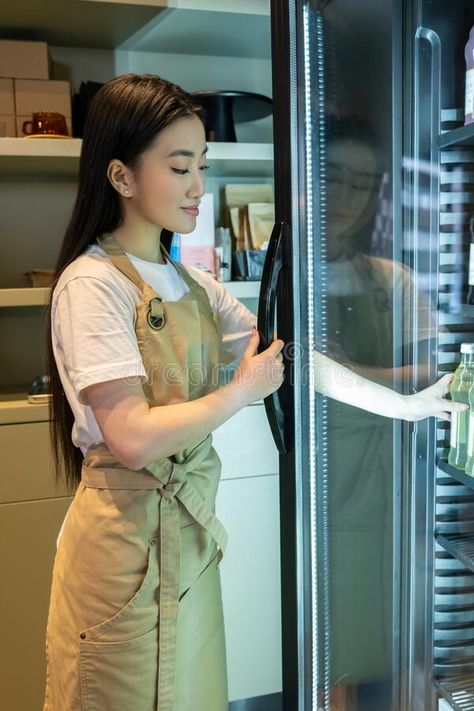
[137, 342]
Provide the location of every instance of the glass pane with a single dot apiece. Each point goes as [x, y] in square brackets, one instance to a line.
[356, 273]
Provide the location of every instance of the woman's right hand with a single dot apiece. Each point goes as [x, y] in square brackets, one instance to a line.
[259, 375]
[431, 402]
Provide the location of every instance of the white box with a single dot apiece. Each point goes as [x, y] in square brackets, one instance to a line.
[7, 126]
[24, 60]
[38, 95]
[7, 97]
[203, 233]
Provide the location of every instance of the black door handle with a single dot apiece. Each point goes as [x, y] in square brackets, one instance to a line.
[275, 265]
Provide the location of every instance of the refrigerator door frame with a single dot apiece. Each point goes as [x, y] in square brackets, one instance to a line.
[304, 636]
[296, 588]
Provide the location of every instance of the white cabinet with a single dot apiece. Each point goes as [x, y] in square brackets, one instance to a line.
[248, 506]
[245, 445]
[250, 574]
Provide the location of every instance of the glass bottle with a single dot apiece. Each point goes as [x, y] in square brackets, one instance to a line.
[469, 468]
[459, 390]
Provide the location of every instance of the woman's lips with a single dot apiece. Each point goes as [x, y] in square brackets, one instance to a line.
[193, 211]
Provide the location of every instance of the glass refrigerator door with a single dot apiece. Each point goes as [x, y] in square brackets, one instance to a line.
[337, 95]
[439, 180]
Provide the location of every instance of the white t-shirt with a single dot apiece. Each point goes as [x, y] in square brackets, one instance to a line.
[93, 326]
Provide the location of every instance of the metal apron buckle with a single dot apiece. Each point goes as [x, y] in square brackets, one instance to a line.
[155, 315]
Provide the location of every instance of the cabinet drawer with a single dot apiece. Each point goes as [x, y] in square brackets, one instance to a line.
[245, 444]
[27, 470]
[28, 533]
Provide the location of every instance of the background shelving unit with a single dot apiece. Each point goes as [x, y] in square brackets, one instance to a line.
[61, 157]
[15, 408]
[200, 26]
[198, 44]
[29, 296]
[39, 296]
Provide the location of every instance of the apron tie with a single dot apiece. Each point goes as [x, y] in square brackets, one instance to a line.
[175, 488]
[178, 488]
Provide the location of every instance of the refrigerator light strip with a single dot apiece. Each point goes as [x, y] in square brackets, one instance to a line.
[311, 342]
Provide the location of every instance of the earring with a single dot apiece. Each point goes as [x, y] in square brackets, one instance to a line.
[125, 192]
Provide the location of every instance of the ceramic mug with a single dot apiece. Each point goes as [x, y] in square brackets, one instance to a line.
[46, 122]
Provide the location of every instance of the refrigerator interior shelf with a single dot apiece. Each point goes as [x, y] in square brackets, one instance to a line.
[460, 547]
[456, 473]
[458, 137]
[459, 692]
[467, 311]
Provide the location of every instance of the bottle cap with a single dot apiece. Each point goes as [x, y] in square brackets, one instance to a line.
[467, 348]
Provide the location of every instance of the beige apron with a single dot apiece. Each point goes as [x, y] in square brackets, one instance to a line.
[135, 620]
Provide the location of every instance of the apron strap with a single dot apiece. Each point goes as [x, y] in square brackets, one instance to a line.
[170, 549]
[120, 260]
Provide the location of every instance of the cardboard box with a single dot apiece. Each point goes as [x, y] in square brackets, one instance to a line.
[36, 95]
[7, 98]
[7, 126]
[24, 60]
[20, 120]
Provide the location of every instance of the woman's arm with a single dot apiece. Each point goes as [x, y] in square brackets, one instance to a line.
[341, 383]
[137, 434]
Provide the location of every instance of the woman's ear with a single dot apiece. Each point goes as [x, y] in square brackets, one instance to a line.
[121, 178]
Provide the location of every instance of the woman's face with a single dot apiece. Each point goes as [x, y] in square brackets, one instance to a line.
[351, 181]
[169, 179]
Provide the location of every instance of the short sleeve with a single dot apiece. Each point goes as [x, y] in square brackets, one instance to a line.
[94, 333]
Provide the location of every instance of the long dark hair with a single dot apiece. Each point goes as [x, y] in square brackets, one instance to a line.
[125, 117]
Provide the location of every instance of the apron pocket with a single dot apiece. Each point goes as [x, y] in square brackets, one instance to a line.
[138, 616]
[212, 565]
[119, 676]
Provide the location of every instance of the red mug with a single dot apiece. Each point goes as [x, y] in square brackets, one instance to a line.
[44, 123]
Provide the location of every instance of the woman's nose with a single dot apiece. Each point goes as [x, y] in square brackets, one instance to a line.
[197, 187]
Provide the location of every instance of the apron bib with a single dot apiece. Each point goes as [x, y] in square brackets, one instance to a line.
[135, 620]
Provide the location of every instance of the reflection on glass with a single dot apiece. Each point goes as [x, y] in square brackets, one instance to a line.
[361, 288]
[359, 315]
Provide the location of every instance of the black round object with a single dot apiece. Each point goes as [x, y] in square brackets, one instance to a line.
[223, 108]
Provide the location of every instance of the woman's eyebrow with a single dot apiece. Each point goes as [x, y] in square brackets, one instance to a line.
[186, 153]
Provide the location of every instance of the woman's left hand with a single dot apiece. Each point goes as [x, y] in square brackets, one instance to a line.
[432, 403]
